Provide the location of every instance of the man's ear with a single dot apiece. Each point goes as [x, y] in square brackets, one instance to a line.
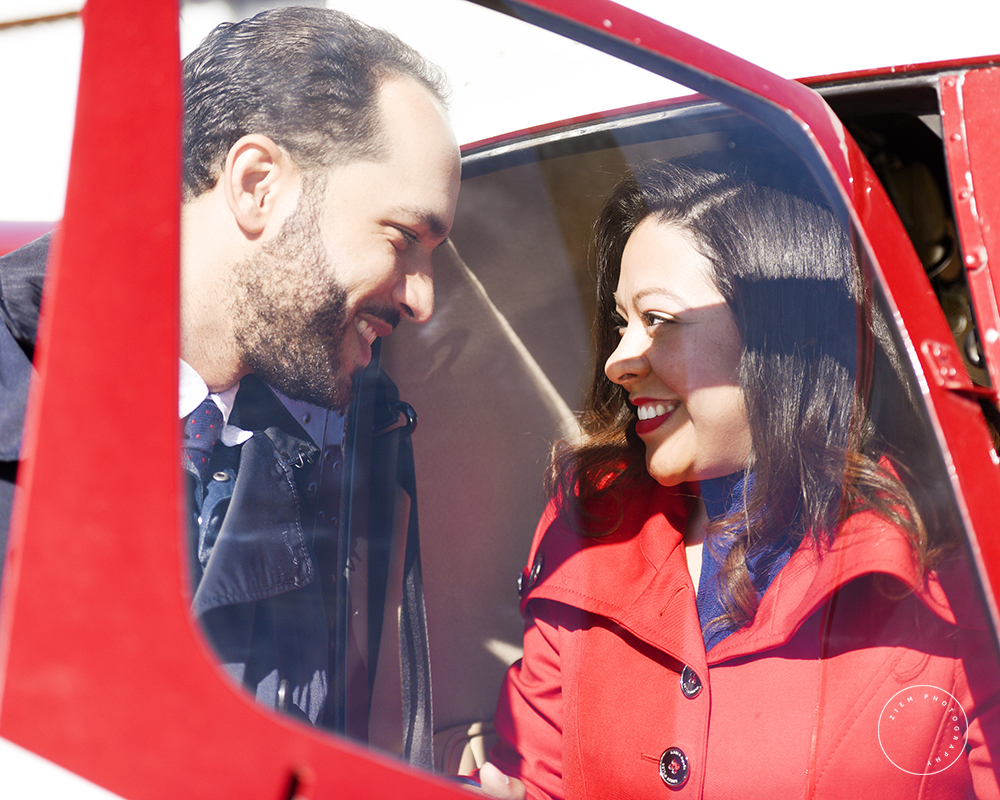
[258, 178]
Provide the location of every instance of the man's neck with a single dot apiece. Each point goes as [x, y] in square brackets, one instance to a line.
[217, 379]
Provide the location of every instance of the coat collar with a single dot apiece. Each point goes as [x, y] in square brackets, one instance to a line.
[637, 576]
[262, 548]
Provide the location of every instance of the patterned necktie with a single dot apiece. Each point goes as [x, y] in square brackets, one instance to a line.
[202, 430]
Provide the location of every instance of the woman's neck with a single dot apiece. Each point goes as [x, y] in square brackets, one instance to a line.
[717, 496]
[694, 540]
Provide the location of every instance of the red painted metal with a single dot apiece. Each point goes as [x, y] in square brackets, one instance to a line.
[922, 68]
[972, 142]
[971, 127]
[102, 670]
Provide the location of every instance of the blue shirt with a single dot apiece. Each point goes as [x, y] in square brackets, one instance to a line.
[720, 496]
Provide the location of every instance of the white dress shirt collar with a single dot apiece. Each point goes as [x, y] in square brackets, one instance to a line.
[193, 390]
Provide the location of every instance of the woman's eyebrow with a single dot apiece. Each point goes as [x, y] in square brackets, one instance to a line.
[657, 290]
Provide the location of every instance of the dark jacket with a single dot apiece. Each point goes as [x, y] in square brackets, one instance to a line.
[254, 566]
[257, 593]
[21, 276]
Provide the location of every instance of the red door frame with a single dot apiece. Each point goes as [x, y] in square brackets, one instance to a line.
[101, 668]
[969, 120]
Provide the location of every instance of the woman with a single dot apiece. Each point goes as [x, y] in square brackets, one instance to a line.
[734, 592]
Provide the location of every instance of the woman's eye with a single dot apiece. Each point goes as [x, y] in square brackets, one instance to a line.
[619, 324]
[652, 320]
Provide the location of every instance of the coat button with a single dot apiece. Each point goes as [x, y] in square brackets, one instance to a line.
[536, 570]
[674, 767]
[690, 683]
[526, 579]
[221, 477]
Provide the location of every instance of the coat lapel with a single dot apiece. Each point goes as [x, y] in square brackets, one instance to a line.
[637, 576]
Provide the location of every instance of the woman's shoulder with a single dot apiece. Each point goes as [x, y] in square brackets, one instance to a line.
[598, 549]
[615, 516]
[874, 550]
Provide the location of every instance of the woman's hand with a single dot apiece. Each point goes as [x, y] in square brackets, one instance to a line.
[499, 786]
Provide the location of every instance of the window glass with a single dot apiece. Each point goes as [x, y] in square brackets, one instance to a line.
[306, 576]
[725, 367]
[512, 342]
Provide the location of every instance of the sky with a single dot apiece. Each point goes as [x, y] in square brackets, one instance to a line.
[504, 75]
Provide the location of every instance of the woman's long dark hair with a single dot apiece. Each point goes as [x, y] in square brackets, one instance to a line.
[818, 371]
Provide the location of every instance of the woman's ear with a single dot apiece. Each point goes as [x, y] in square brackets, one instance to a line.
[257, 176]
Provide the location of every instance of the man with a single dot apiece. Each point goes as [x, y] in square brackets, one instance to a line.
[320, 173]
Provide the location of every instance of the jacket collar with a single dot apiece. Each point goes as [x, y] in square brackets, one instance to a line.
[867, 544]
[262, 548]
[637, 576]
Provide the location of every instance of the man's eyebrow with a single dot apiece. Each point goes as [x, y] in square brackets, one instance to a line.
[428, 219]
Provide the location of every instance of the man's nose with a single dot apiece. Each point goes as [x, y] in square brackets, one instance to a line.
[414, 295]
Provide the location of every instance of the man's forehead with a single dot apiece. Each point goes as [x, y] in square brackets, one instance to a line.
[411, 114]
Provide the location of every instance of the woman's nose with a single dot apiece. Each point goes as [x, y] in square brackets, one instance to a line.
[628, 361]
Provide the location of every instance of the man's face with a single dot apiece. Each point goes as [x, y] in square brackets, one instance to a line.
[353, 259]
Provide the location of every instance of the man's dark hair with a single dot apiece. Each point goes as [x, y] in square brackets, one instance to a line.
[308, 78]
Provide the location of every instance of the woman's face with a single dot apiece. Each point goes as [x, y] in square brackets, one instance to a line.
[678, 358]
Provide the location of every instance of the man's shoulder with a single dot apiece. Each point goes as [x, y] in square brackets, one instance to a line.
[22, 275]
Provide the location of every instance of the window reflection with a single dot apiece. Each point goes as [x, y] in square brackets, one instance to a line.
[500, 375]
[496, 322]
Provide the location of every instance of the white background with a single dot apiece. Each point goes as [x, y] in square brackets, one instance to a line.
[504, 77]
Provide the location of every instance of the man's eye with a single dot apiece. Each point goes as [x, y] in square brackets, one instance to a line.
[410, 237]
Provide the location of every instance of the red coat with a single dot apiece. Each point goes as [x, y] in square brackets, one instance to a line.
[844, 685]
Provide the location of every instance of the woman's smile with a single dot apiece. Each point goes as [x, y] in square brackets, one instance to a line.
[652, 413]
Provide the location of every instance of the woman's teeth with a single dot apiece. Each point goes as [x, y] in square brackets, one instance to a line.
[652, 410]
[367, 331]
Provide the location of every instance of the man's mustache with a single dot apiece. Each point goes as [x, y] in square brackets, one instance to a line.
[387, 314]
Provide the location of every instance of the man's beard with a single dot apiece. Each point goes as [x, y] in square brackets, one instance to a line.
[290, 313]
